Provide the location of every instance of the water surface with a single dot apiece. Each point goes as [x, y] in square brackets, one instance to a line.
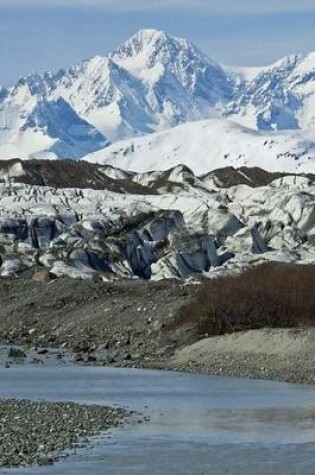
[199, 425]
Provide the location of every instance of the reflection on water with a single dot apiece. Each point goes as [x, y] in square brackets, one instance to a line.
[199, 425]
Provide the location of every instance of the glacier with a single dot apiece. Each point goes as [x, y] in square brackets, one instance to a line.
[108, 223]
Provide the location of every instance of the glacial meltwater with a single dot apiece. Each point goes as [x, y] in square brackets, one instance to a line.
[199, 425]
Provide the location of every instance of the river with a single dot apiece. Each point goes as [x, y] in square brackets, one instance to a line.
[199, 425]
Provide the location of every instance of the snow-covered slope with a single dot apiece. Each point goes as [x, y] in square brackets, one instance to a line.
[33, 127]
[106, 95]
[207, 145]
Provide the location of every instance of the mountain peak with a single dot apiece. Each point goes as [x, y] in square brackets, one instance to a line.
[152, 46]
[141, 41]
[149, 35]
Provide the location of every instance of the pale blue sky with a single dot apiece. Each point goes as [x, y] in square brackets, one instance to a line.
[34, 37]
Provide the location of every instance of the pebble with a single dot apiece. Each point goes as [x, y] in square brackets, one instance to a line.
[38, 432]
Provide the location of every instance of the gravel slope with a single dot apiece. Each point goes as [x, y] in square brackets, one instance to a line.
[104, 322]
[279, 354]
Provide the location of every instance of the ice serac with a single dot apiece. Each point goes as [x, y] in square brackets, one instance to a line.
[162, 224]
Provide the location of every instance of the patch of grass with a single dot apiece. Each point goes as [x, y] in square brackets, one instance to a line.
[268, 296]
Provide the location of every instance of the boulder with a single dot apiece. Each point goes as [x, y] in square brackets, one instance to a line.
[42, 276]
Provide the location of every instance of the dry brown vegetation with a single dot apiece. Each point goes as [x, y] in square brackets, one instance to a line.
[268, 296]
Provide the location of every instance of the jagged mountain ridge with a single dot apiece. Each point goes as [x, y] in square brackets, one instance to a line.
[153, 82]
[278, 97]
[181, 82]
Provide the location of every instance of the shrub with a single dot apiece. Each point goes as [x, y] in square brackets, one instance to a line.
[271, 295]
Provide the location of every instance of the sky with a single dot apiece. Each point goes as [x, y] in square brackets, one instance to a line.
[37, 35]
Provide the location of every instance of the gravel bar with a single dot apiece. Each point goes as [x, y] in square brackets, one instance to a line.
[38, 432]
[253, 366]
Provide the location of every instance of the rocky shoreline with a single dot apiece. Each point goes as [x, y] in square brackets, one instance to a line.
[232, 358]
[249, 366]
[39, 432]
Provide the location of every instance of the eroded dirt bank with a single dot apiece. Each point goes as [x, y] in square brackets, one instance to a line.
[125, 323]
[105, 322]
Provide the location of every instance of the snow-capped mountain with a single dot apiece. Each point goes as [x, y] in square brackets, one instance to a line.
[3, 93]
[152, 82]
[210, 144]
[155, 82]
